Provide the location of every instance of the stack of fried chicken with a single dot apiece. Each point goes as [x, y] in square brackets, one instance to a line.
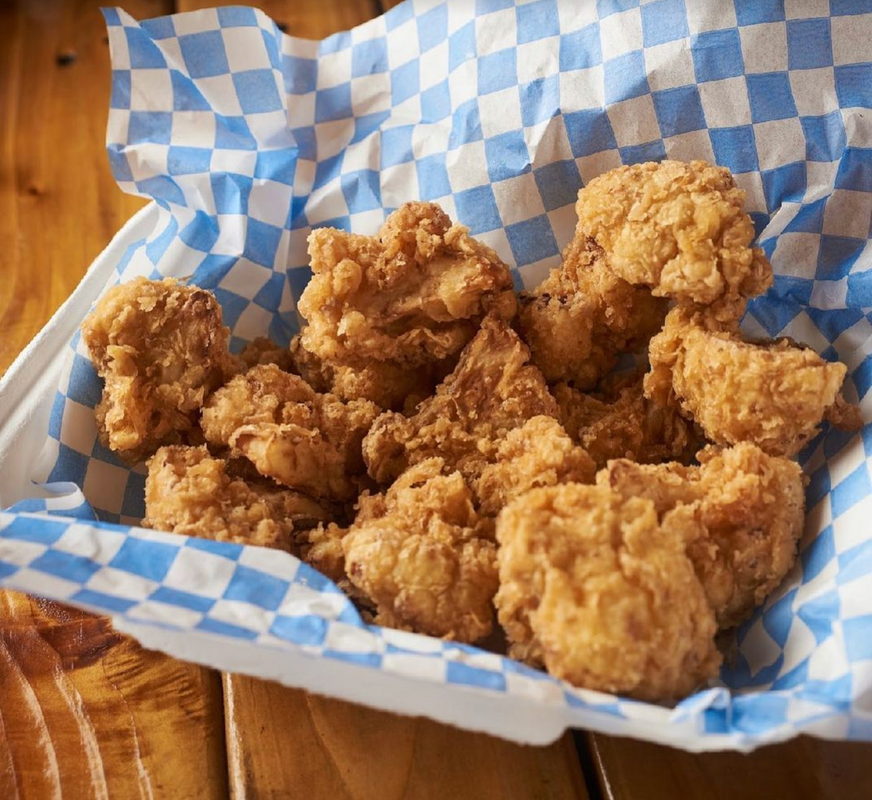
[447, 451]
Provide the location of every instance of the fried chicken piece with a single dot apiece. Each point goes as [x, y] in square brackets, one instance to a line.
[492, 391]
[161, 349]
[625, 425]
[191, 493]
[321, 548]
[594, 587]
[314, 370]
[264, 351]
[305, 440]
[538, 454]
[424, 557]
[412, 295]
[583, 316]
[385, 383]
[677, 228]
[775, 395]
[751, 507]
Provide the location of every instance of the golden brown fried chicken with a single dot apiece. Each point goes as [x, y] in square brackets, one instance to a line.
[412, 295]
[423, 556]
[537, 454]
[305, 440]
[625, 425]
[583, 316]
[385, 383]
[775, 395]
[677, 228]
[190, 493]
[264, 351]
[594, 587]
[751, 507]
[321, 547]
[314, 370]
[161, 349]
[493, 390]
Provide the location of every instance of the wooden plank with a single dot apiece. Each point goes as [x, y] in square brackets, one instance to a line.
[802, 769]
[59, 204]
[86, 712]
[309, 19]
[287, 743]
[283, 742]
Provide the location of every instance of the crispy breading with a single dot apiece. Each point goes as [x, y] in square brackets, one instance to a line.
[264, 351]
[539, 453]
[424, 557]
[412, 295]
[678, 228]
[191, 493]
[160, 348]
[303, 439]
[385, 383]
[493, 390]
[626, 425]
[583, 316]
[774, 394]
[594, 587]
[751, 507]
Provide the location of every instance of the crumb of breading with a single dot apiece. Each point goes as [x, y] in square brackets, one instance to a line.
[583, 316]
[189, 492]
[424, 557]
[303, 439]
[413, 295]
[751, 507]
[678, 228]
[594, 587]
[161, 348]
[775, 395]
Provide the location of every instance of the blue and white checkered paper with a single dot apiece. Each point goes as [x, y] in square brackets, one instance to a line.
[246, 139]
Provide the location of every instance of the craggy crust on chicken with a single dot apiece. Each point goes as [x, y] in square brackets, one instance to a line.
[594, 587]
[385, 383]
[537, 454]
[191, 493]
[583, 316]
[493, 390]
[625, 424]
[775, 395]
[423, 556]
[677, 228]
[751, 507]
[161, 349]
[413, 295]
[305, 440]
[264, 351]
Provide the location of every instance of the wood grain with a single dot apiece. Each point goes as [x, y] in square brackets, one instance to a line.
[308, 19]
[287, 743]
[59, 204]
[802, 769]
[83, 711]
[86, 712]
[338, 750]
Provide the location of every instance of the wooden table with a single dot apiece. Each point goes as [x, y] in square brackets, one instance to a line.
[85, 711]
